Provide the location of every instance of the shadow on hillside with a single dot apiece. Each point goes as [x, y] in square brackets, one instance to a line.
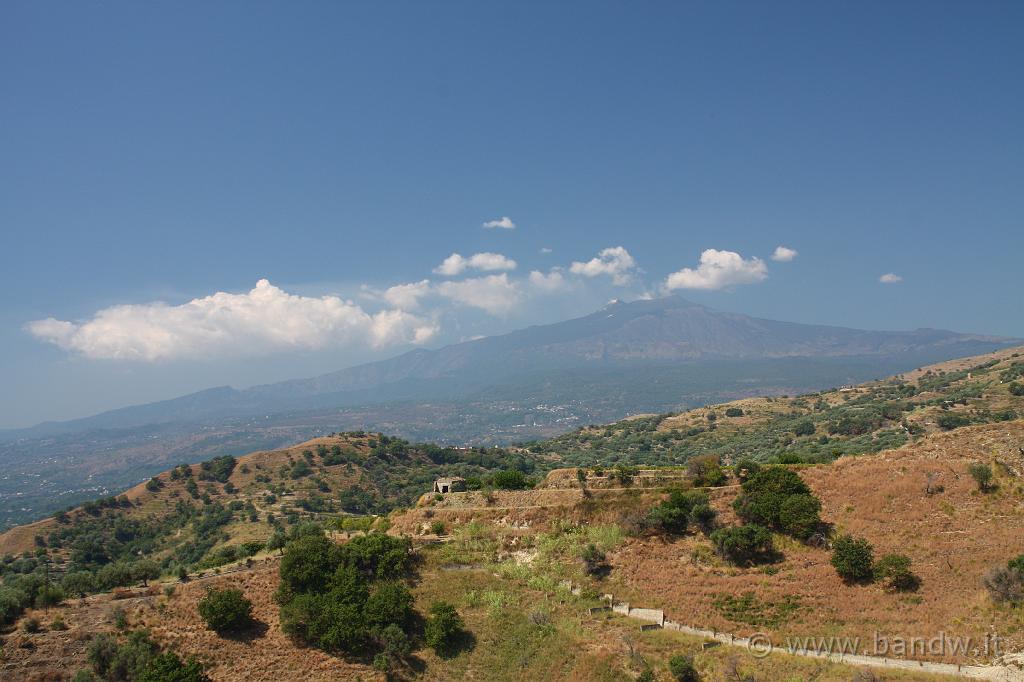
[463, 642]
[255, 630]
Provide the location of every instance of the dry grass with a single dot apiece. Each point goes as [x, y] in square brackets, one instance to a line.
[953, 538]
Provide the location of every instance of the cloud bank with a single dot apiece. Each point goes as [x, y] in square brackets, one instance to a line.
[495, 294]
[717, 270]
[263, 320]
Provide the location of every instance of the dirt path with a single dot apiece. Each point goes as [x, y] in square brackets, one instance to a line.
[761, 646]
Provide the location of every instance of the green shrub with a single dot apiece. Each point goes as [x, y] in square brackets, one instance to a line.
[799, 516]
[982, 475]
[1017, 389]
[952, 420]
[225, 611]
[706, 471]
[167, 667]
[509, 479]
[734, 412]
[443, 627]
[853, 559]
[683, 669]
[743, 545]
[674, 514]
[390, 604]
[778, 498]
[804, 427]
[895, 570]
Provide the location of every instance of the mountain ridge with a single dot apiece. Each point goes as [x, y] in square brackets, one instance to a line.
[669, 329]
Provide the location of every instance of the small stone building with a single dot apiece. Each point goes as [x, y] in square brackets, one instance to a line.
[453, 484]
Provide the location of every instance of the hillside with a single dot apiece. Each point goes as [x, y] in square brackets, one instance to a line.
[812, 428]
[890, 462]
[507, 559]
[642, 356]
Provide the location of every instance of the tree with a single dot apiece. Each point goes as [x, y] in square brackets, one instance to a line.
[395, 647]
[80, 583]
[982, 475]
[799, 517]
[225, 611]
[734, 412]
[390, 604]
[706, 470]
[306, 565]
[1005, 584]
[683, 669]
[145, 570]
[768, 492]
[673, 515]
[509, 479]
[746, 544]
[703, 516]
[443, 626]
[895, 570]
[804, 427]
[276, 541]
[49, 595]
[853, 559]
[745, 469]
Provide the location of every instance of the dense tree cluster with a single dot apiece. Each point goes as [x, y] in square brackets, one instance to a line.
[348, 598]
[778, 498]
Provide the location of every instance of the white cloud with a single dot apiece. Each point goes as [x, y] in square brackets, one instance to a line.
[551, 282]
[504, 223]
[614, 261]
[545, 250]
[456, 264]
[784, 254]
[494, 293]
[890, 278]
[718, 269]
[407, 296]
[263, 320]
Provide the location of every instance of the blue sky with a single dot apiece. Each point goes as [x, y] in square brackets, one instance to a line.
[155, 153]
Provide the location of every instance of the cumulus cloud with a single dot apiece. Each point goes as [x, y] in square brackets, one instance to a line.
[784, 254]
[263, 320]
[502, 223]
[495, 294]
[407, 296]
[545, 250]
[718, 269]
[890, 278]
[551, 282]
[615, 262]
[456, 263]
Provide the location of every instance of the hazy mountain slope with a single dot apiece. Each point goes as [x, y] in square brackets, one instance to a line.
[646, 356]
[669, 329]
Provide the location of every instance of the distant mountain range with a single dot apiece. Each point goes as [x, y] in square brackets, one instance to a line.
[649, 332]
[643, 356]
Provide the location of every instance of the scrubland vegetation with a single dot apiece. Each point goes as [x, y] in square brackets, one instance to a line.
[307, 547]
